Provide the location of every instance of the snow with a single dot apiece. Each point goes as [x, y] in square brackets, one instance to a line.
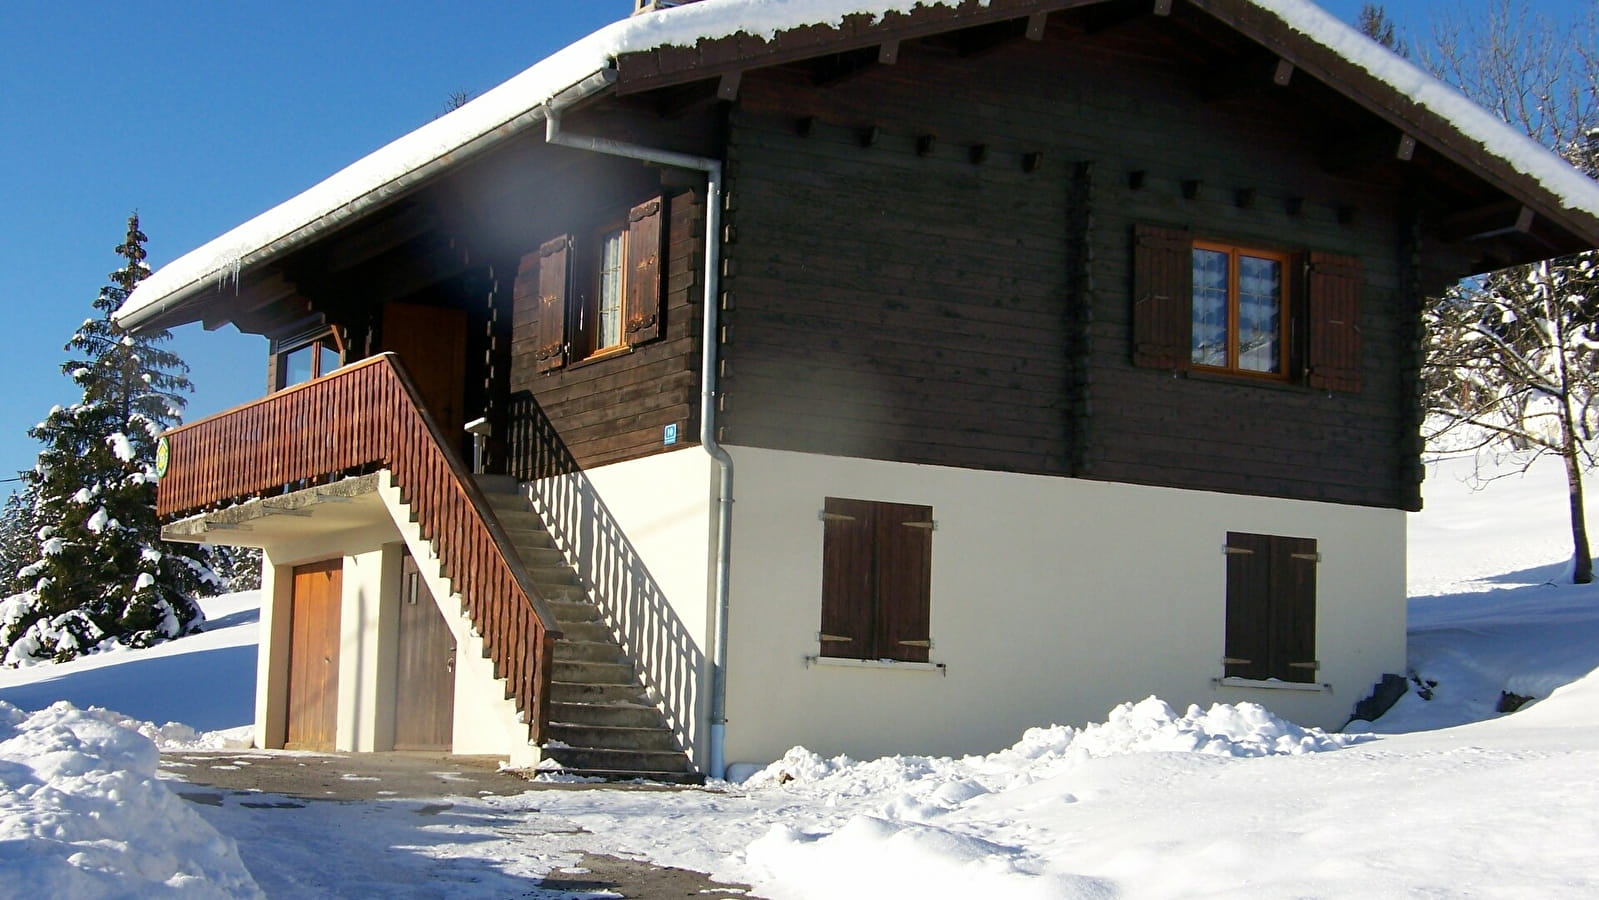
[513, 105]
[118, 442]
[83, 816]
[1450, 799]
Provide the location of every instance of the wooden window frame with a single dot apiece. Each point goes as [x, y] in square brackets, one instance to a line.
[1286, 310]
[584, 311]
[1270, 632]
[282, 349]
[876, 581]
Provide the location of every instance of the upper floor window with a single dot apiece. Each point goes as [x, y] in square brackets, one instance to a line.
[596, 292]
[301, 358]
[1208, 306]
[1240, 315]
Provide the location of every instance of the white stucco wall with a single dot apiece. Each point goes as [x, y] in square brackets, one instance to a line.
[640, 534]
[1052, 600]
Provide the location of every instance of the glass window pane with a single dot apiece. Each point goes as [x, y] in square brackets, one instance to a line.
[327, 359]
[295, 366]
[610, 312]
[1260, 308]
[1210, 308]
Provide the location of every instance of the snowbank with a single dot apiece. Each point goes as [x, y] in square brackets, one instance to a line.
[83, 816]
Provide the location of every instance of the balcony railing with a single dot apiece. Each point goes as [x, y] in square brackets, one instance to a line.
[361, 418]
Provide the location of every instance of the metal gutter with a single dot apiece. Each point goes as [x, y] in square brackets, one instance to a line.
[713, 252]
[372, 199]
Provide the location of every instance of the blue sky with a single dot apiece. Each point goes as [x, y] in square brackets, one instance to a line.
[201, 114]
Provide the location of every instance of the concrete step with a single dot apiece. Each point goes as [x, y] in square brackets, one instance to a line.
[579, 672]
[528, 538]
[587, 630]
[632, 715]
[571, 609]
[569, 650]
[574, 692]
[491, 485]
[614, 737]
[621, 775]
[541, 557]
[631, 763]
[552, 575]
[564, 593]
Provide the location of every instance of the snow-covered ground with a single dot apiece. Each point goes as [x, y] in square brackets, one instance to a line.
[1450, 799]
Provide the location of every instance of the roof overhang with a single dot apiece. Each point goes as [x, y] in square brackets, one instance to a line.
[712, 38]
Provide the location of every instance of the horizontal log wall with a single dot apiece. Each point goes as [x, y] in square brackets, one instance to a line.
[915, 302]
[616, 408]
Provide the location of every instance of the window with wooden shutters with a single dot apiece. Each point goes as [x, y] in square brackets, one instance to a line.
[1201, 305]
[877, 561]
[1271, 608]
[594, 293]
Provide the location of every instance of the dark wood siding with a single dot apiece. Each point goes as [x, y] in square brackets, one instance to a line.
[615, 408]
[899, 298]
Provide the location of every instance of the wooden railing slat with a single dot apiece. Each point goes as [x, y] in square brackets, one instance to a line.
[362, 416]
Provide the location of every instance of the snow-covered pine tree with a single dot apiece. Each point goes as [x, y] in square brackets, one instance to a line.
[18, 545]
[101, 572]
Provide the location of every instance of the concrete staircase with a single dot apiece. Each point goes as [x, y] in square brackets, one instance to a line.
[602, 722]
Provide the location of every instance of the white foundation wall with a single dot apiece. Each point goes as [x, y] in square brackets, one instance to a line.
[1053, 600]
[640, 534]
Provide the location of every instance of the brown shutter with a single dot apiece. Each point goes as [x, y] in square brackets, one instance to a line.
[643, 301]
[1249, 586]
[1163, 297]
[904, 581]
[1333, 354]
[847, 579]
[554, 277]
[1294, 628]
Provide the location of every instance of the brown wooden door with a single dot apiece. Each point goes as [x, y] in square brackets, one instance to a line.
[424, 696]
[314, 656]
[431, 343]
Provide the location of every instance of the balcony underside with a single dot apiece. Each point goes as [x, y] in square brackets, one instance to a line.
[321, 511]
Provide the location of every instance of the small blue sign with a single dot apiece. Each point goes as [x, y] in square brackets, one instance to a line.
[669, 437]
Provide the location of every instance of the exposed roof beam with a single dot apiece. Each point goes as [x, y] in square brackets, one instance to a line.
[1505, 217]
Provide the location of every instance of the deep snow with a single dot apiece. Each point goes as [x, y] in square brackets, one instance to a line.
[1153, 802]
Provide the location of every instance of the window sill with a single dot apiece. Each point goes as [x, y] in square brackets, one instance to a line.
[1250, 683]
[1259, 381]
[602, 355]
[846, 663]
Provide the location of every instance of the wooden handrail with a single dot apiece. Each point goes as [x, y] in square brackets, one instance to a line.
[366, 416]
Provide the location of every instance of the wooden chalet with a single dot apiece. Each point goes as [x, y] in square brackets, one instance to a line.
[742, 377]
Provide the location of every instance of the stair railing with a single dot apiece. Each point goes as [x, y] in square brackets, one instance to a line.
[361, 418]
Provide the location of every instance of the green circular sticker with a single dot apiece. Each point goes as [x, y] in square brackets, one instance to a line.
[163, 455]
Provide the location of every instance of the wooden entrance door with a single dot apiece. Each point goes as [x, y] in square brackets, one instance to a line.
[424, 688]
[431, 343]
[314, 656]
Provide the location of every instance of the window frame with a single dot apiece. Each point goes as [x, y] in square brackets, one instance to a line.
[876, 580]
[326, 338]
[1286, 309]
[585, 312]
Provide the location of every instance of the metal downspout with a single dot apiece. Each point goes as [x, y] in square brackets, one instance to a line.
[713, 252]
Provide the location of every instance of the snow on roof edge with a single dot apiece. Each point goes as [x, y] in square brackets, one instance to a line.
[221, 257]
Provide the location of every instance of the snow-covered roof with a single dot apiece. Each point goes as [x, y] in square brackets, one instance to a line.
[517, 104]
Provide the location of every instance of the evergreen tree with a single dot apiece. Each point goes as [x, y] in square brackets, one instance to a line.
[100, 572]
[18, 542]
[1374, 23]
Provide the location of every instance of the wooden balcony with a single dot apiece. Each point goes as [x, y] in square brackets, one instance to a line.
[363, 418]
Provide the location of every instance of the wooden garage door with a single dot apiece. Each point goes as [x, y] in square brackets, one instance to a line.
[424, 696]
[314, 656]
